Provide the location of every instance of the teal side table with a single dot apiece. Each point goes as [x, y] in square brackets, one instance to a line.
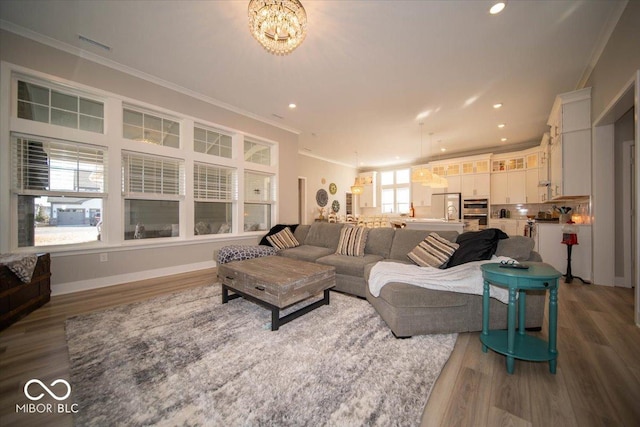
[538, 276]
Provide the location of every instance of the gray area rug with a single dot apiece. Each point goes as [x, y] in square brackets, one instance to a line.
[187, 359]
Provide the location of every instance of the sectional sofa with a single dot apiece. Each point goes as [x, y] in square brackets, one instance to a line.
[407, 309]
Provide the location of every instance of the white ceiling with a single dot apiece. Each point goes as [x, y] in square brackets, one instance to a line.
[366, 69]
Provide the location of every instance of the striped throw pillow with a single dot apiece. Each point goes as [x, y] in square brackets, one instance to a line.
[433, 251]
[352, 241]
[283, 239]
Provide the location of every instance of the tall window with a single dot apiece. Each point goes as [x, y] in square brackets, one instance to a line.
[259, 196]
[60, 187]
[256, 152]
[150, 128]
[395, 191]
[40, 103]
[153, 187]
[214, 191]
[213, 142]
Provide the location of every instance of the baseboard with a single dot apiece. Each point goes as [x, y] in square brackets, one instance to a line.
[101, 282]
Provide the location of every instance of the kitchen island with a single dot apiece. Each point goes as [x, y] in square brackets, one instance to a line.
[433, 224]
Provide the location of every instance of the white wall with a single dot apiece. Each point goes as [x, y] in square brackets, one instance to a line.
[315, 170]
[81, 270]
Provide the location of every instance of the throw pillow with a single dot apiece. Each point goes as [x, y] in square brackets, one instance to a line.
[283, 239]
[476, 246]
[352, 241]
[433, 251]
[276, 229]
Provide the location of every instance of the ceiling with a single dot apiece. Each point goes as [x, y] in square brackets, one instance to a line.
[366, 70]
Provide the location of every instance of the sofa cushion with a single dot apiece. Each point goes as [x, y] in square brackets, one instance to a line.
[476, 246]
[379, 241]
[405, 295]
[324, 234]
[433, 251]
[352, 241]
[301, 232]
[306, 252]
[276, 229]
[516, 247]
[347, 265]
[283, 239]
[404, 240]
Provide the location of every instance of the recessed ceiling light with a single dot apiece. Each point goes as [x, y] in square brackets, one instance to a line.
[443, 149]
[498, 7]
[503, 139]
[497, 105]
[292, 105]
[501, 125]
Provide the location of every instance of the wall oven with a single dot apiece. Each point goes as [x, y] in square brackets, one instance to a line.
[476, 209]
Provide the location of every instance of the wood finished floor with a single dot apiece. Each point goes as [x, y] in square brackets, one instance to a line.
[597, 380]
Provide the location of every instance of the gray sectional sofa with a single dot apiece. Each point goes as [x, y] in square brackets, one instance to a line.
[410, 310]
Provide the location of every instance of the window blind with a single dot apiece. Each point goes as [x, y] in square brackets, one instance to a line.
[147, 174]
[214, 183]
[49, 167]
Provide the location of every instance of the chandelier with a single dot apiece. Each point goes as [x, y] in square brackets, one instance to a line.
[278, 25]
[424, 176]
[358, 184]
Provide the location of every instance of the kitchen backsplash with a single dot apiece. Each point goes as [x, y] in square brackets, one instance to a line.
[579, 212]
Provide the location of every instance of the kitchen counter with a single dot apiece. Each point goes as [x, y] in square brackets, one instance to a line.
[430, 224]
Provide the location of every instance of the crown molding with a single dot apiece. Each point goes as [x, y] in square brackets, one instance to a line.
[325, 159]
[90, 56]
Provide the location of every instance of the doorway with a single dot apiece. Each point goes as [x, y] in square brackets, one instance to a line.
[302, 200]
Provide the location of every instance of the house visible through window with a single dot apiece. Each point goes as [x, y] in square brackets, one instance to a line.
[153, 187]
[60, 187]
[214, 191]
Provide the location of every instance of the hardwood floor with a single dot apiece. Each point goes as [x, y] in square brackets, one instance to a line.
[597, 380]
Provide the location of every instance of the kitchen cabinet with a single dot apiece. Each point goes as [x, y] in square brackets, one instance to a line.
[509, 226]
[421, 194]
[570, 144]
[477, 184]
[368, 198]
[454, 184]
[508, 187]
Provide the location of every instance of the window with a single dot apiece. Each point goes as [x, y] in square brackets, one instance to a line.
[49, 105]
[212, 142]
[60, 186]
[395, 191]
[259, 197]
[214, 190]
[153, 187]
[256, 152]
[150, 128]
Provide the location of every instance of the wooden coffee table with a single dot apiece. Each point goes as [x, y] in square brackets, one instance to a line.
[277, 282]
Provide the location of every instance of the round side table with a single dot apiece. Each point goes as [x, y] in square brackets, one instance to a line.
[520, 345]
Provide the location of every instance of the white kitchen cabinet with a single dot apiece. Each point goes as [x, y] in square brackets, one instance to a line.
[570, 144]
[509, 226]
[454, 184]
[368, 198]
[475, 185]
[534, 192]
[421, 194]
[508, 187]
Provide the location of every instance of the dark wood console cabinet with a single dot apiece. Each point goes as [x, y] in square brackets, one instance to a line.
[17, 299]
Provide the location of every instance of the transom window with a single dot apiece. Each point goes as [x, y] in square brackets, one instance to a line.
[50, 105]
[213, 142]
[256, 152]
[150, 128]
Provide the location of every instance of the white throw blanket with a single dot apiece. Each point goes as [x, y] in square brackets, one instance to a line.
[464, 278]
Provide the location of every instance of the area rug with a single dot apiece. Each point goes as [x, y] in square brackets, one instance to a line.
[187, 359]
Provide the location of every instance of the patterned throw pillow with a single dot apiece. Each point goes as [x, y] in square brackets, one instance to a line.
[283, 239]
[433, 251]
[352, 241]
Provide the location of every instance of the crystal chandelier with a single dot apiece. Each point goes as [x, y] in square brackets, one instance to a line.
[278, 25]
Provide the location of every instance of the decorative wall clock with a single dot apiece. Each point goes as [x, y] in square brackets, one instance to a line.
[333, 188]
[322, 198]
